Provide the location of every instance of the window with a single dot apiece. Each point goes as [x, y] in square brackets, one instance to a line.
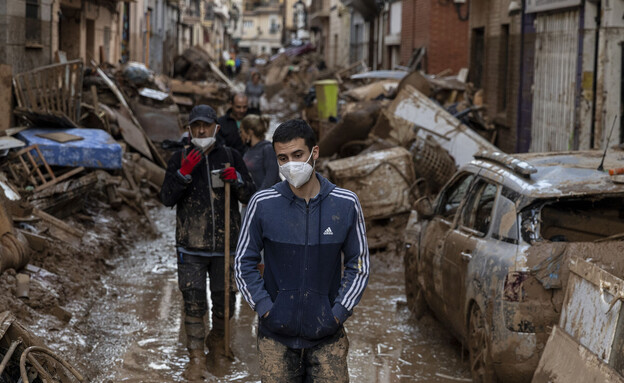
[33, 25]
[274, 27]
[477, 57]
[477, 213]
[505, 220]
[451, 198]
[247, 24]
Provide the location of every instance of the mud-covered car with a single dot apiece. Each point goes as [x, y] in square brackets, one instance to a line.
[489, 255]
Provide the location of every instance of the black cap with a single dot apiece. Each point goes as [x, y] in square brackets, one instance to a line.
[203, 113]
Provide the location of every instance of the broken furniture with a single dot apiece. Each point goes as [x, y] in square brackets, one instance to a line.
[35, 169]
[95, 149]
[50, 95]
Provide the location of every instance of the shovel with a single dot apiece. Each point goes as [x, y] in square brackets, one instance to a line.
[227, 269]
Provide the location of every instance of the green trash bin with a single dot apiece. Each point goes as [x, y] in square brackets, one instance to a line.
[327, 98]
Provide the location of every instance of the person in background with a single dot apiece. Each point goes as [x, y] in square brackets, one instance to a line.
[229, 134]
[194, 184]
[254, 91]
[260, 157]
[237, 64]
[230, 65]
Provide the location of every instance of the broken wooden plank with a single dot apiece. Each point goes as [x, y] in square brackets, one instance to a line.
[63, 177]
[57, 222]
[35, 241]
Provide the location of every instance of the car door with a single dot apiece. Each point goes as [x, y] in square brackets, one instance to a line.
[433, 236]
[471, 228]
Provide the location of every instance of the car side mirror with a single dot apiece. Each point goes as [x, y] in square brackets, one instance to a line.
[424, 208]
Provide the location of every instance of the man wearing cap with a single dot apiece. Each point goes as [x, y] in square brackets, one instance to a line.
[194, 184]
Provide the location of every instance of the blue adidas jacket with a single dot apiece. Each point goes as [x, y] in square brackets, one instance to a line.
[304, 286]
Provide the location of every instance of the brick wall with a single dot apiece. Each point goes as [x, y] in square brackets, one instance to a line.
[448, 48]
[407, 30]
[437, 27]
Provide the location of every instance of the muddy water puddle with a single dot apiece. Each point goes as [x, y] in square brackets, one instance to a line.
[134, 330]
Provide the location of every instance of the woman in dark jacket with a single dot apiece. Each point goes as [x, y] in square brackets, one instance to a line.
[260, 157]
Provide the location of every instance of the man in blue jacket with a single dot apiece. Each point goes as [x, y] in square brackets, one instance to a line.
[305, 225]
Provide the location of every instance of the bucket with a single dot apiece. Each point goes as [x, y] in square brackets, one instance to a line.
[327, 98]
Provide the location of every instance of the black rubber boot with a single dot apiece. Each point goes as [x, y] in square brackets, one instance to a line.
[195, 331]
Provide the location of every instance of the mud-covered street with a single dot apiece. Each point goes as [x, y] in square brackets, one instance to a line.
[132, 333]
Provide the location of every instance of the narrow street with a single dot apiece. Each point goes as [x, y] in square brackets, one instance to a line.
[134, 330]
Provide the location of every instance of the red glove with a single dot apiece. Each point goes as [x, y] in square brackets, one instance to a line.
[189, 162]
[229, 175]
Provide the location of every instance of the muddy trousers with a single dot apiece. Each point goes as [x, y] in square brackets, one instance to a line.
[192, 272]
[323, 363]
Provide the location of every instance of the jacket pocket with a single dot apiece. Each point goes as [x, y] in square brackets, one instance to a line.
[318, 318]
[282, 318]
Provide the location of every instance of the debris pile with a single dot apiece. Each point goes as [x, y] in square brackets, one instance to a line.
[397, 111]
[390, 136]
[80, 166]
[198, 80]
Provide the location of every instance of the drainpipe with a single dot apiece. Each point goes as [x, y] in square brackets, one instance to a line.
[595, 84]
[520, 101]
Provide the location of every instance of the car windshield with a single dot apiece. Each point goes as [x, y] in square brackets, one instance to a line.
[575, 220]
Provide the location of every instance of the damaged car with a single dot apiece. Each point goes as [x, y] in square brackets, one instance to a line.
[490, 255]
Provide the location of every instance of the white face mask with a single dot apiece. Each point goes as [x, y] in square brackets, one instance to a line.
[297, 173]
[204, 143]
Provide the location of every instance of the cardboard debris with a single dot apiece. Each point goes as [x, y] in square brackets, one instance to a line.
[61, 137]
[132, 134]
[382, 180]
[159, 123]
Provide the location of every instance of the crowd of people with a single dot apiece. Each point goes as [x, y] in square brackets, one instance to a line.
[308, 233]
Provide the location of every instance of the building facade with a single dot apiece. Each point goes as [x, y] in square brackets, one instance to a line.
[571, 76]
[495, 38]
[262, 30]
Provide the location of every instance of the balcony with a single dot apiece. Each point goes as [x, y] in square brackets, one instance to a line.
[369, 9]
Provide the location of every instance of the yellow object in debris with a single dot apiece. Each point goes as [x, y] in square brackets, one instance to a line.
[327, 98]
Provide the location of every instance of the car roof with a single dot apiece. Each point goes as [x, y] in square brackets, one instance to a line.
[559, 174]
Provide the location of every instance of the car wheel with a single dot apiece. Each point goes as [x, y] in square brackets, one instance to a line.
[481, 365]
[415, 298]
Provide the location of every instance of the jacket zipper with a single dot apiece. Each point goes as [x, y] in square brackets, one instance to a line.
[303, 294]
[211, 203]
